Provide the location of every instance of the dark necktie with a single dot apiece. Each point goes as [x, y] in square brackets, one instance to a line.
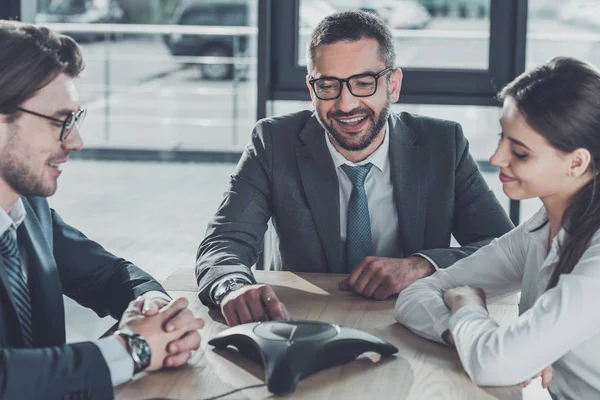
[12, 262]
[358, 235]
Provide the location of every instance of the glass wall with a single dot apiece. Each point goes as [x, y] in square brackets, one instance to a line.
[563, 28]
[184, 79]
[428, 33]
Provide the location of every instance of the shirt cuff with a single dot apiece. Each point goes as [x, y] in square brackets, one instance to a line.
[234, 275]
[120, 363]
[435, 266]
[155, 293]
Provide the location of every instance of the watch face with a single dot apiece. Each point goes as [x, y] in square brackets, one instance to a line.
[142, 351]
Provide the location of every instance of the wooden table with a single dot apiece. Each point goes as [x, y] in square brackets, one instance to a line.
[420, 370]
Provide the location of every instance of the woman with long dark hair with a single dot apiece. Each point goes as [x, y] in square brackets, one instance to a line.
[549, 148]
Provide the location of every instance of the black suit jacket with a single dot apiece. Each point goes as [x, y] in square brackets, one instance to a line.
[61, 260]
[287, 173]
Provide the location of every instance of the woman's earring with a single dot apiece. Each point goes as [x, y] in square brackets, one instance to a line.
[573, 174]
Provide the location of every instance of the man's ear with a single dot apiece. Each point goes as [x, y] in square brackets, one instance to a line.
[396, 84]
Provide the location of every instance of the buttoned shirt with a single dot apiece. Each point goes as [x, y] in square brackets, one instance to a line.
[558, 327]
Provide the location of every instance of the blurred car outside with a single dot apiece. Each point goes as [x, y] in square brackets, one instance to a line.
[82, 12]
[210, 13]
[227, 13]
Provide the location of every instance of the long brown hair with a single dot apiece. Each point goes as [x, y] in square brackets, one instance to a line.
[561, 101]
[30, 57]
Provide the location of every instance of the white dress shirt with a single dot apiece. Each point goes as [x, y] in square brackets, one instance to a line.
[560, 326]
[120, 363]
[380, 197]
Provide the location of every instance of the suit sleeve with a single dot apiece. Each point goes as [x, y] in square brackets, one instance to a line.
[67, 371]
[478, 216]
[94, 277]
[235, 235]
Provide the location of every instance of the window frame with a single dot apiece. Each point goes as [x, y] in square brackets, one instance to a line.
[421, 85]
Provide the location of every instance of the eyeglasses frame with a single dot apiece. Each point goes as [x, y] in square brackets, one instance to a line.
[347, 81]
[75, 116]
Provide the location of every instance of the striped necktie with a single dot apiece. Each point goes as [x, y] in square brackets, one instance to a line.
[358, 235]
[12, 263]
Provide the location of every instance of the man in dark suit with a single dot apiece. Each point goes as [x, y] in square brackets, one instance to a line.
[351, 187]
[42, 258]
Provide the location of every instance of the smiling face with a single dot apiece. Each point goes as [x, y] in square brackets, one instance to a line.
[31, 153]
[530, 166]
[354, 123]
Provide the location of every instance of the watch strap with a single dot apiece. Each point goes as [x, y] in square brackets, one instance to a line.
[138, 349]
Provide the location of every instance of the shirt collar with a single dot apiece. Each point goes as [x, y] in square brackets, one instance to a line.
[14, 217]
[539, 229]
[379, 158]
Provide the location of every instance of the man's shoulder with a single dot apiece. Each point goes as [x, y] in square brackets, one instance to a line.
[426, 125]
[288, 125]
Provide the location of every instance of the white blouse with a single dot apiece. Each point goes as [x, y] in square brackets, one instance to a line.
[560, 326]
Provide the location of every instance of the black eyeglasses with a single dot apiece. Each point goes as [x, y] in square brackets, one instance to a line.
[361, 85]
[74, 118]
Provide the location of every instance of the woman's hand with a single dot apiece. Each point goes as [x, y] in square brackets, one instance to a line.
[546, 375]
[461, 296]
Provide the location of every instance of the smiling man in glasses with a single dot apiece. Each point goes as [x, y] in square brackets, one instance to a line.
[351, 187]
[42, 258]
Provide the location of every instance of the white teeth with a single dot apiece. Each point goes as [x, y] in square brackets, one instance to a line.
[352, 120]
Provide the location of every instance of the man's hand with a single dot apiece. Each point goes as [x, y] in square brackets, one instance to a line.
[154, 330]
[458, 297]
[546, 375]
[252, 303]
[380, 277]
[180, 350]
[152, 305]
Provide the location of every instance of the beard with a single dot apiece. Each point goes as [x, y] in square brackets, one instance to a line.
[346, 143]
[371, 135]
[16, 170]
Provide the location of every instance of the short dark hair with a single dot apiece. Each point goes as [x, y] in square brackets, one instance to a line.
[352, 26]
[30, 57]
[561, 101]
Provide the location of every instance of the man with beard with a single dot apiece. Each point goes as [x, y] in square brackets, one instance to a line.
[351, 187]
[42, 257]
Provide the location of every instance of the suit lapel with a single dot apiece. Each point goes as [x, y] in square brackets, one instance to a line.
[44, 282]
[320, 182]
[408, 164]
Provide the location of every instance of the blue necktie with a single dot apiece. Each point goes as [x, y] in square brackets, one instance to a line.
[358, 235]
[12, 262]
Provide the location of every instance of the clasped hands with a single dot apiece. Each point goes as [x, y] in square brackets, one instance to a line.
[461, 296]
[169, 327]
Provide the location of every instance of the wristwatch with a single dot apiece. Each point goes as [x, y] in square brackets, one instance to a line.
[228, 285]
[138, 348]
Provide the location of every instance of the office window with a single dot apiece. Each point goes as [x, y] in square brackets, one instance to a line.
[563, 28]
[154, 89]
[428, 33]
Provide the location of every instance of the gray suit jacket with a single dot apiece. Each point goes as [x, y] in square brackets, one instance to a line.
[286, 173]
[61, 260]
